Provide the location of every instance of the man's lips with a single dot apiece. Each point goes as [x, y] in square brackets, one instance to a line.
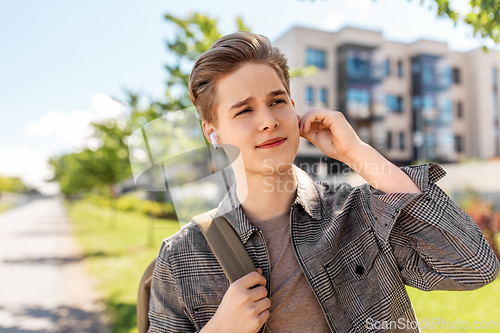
[271, 141]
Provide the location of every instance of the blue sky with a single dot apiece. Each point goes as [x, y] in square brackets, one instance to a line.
[61, 60]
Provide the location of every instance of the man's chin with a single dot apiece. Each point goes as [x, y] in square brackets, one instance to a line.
[276, 165]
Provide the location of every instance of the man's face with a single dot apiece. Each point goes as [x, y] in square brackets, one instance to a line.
[269, 113]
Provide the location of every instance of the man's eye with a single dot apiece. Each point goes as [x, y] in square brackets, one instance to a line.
[243, 111]
[277, 102]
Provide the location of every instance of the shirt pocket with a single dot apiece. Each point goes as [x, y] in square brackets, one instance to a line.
[356, 276]
[203, 313]
[354, 261]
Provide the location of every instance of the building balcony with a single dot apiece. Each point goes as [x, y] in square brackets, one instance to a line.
[357, 112]
[436, 85]
[369, 74]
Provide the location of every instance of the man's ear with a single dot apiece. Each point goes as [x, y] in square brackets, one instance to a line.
[207, 130]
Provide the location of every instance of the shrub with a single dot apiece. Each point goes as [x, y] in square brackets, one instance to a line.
[487, 219]
[132, 203]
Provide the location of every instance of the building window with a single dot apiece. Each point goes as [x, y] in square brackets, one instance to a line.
[458, 144]
[456, 75]
[417, 102]
[400, 68]
[428, 102]
[387, 67]
[459, 110]
[309, 95]
[445, 112]
[358, 64]
[316, 57]
[394, 103]
[322, 96]
[401, 140]
[427, 74]
[358, 103]
[389, 140]
[415, 68]
[358, 96]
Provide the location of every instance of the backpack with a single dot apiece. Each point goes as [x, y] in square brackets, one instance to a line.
[225, 245]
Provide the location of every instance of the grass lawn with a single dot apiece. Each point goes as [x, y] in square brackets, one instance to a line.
[115, 245]
[117, 253]
[5, 205]
[481, 305]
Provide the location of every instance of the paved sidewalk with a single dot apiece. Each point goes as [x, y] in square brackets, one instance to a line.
[44, 286]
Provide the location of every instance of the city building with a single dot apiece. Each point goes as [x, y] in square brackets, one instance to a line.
[412, 102]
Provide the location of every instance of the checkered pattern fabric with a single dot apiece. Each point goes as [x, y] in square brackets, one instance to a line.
[357, 246]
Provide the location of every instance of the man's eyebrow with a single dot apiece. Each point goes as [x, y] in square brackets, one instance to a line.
[248, 99]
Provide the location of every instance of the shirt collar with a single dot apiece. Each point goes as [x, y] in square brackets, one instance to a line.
[308, 196]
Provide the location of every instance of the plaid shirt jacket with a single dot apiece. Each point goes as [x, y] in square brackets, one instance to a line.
[357, 247]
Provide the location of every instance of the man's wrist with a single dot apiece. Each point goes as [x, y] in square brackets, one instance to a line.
[212, 326]
[354, 157]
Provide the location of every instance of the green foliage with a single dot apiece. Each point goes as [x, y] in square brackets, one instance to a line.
[133, 203]
[485, 19]
[307, 71]
[484, 214]
[12, 184]
[85, 170]
[195, 35]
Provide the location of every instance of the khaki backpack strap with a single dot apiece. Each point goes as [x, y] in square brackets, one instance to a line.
[225, 244]
[143, 299]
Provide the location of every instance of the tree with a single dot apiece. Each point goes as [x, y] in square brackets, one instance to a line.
[12, 184]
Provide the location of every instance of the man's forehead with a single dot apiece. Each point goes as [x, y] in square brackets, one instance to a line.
[249, 81]
[276, 91]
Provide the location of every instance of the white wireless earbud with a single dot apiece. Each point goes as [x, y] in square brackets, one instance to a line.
[214, 140]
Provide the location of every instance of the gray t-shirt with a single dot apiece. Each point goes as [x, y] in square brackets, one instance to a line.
[294, 307]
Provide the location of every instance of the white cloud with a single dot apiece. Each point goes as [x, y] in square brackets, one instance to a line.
[74, 128]
[31, 165]
[363, 8]
[333, 20]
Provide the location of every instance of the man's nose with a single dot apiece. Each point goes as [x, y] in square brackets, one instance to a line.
[269, 119]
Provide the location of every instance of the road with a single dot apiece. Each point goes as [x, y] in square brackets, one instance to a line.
[44, 285]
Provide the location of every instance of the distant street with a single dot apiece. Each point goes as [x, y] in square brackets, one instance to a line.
[43, 283]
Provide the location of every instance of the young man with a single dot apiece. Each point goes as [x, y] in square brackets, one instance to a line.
[330, 258]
